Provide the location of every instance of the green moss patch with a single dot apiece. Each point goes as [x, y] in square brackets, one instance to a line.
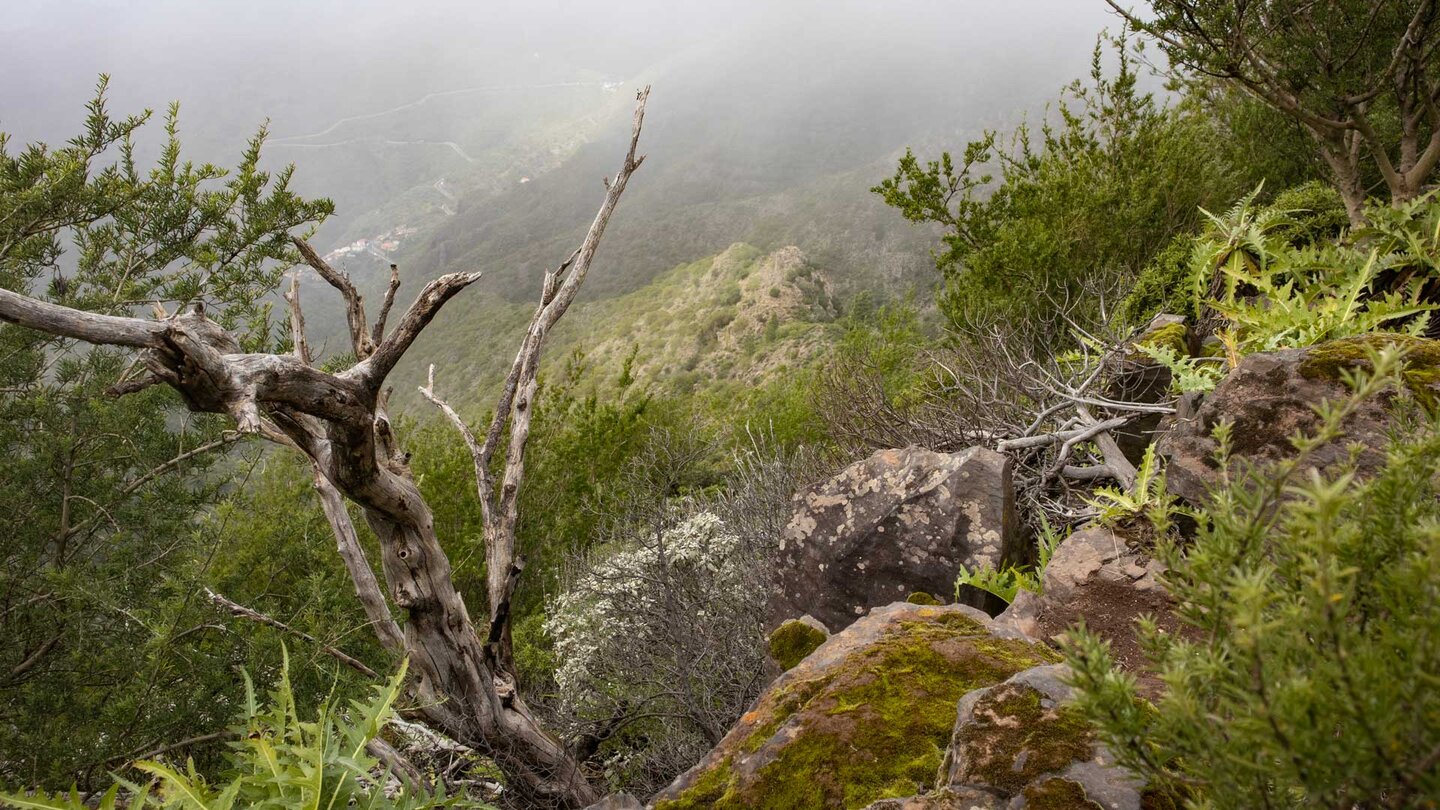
[1058, 794]
[1174, 336]
[872, 726]
[792, 641]
[922, 598]
[1328, 361]
[1013, 738]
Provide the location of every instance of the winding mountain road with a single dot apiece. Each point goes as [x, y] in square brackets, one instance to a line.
[290, 139]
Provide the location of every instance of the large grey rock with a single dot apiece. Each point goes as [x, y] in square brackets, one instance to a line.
[1096, 577]
[1016, 738]
[898, 522]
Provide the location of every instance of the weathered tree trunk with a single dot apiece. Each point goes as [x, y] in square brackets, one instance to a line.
[464, 679]
[1341, 154]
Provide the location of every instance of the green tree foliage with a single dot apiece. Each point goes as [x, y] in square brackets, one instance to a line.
[1043, 227]
[278, 760]
[98, 546]
[1362, 76]
[1303, 680]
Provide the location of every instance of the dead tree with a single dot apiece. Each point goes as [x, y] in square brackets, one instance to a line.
[464, 681]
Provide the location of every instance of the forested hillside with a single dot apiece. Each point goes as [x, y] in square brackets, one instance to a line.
[873, 406]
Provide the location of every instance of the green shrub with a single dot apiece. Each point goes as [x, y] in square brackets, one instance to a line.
[1163, 286]
[278, 761]
[1038, 224]
[1316, 214]
[1270, 294]
[1305, 677]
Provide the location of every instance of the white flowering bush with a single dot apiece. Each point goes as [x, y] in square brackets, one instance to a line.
[661, 644]
[612, 605]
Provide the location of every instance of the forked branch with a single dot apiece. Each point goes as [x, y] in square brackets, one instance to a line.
[558, 290]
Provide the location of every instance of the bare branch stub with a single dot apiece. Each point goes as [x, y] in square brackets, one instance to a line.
[360, 341]
[297, 322]
[377, 333]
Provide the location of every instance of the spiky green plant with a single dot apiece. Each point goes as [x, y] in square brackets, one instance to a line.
[1010, 580]
[277, 761]
[1146, 498]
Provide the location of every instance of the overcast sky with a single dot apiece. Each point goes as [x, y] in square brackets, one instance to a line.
[305, 62]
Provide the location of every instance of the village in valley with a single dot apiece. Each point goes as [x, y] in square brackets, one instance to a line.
[380, 246]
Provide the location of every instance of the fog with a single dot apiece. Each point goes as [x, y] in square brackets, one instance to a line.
[234, 63]
[482, 128]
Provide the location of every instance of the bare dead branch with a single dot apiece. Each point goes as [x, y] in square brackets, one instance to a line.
[362, 576]
[151, 753]
[360, 341]
[378, 365]
[240, 611]
[377, 332]
[297, 322]
[90, 327]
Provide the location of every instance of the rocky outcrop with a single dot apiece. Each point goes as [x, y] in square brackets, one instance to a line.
[1096, 577]
[867, 715]
[1018, 738]
[1270, 396]
[899, 522]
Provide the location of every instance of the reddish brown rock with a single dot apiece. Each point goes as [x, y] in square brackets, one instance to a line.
[1095, 577]
[1271, 396]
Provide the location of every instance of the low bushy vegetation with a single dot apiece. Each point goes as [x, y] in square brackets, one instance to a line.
[672, 425]
[276, 759]
[1309, 602]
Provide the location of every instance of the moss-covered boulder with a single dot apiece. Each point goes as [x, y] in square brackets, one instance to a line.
[1270, 396]
[795, 639]
[1019, 737]
[865, 717]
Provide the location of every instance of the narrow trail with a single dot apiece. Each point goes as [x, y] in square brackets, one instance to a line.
[448, 144]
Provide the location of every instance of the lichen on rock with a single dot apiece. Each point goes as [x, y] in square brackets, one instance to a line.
[1019, 737]
[867, 716]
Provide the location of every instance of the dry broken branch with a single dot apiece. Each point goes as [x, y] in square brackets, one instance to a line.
[240, 611]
